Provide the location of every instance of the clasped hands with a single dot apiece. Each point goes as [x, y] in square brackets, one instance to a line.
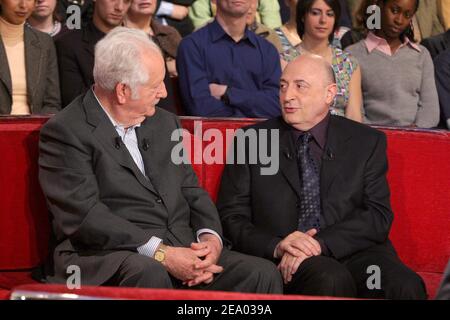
[197, 264]
[294, 249]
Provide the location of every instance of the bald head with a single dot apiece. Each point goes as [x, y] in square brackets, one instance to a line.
[307, 90]
[320, 68]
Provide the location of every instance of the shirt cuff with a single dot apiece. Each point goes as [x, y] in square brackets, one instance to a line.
[199, 232]
[150, 247]
[165, 9]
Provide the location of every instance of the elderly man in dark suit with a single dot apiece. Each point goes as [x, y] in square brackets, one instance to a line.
[325, 215]
[75, 49]
[123, 212]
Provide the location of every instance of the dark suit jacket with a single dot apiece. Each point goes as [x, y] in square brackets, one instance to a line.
[444, 290]
[442, 74]
[437, 44]
[75, 50]
[103, 207]
[257, 211]
[41, 72]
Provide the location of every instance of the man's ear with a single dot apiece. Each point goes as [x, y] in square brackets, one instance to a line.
[122, 92]
[331, 93]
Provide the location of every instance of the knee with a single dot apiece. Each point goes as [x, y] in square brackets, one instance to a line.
[142, 271]
[265, 275]
[409, 286]
[325, 276]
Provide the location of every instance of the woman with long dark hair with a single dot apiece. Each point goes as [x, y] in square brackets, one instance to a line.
[317, 21]
[29, 81]
[397, 74]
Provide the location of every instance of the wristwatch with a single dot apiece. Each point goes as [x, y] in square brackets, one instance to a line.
[160, 254]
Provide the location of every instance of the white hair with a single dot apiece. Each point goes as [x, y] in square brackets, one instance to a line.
[118, 59]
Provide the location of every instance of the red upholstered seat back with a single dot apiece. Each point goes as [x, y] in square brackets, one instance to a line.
[24, 223]
[419, 180]
[419, 177]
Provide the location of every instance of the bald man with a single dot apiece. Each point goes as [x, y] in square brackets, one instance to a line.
[325, 216]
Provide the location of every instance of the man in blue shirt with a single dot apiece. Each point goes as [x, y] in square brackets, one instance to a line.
[226, 70]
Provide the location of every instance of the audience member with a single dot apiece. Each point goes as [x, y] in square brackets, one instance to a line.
[260, 29]
[317, 21]
[123, 212]
[28, 66]
[174, 13]
[324, 216]
[426, 22]
[359, 29]
[442, 66]
[225, 70]
[75, 48]
[288, 32]
[397, 74]
[86, 10]
[444, 12]
[141, 16]
[268, 13]
[44, 18]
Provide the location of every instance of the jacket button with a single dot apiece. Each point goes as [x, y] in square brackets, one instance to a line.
[158, 200]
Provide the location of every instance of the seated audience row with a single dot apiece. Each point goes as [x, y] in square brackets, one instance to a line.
[224, 70]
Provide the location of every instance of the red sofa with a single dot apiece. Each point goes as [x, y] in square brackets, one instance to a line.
[419, 177]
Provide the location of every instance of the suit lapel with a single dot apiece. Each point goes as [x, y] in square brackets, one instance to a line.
[149, 156]
[5, 75]
[33, 59]
[288, 158]
[106, 134]
[334, 154]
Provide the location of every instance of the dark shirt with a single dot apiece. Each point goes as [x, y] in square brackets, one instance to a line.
[250, 68]
[442, 72]
[317, 147]
[317, 144]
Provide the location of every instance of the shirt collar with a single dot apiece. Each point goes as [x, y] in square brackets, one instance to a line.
[216, 32]
[114, 122]
[373, 42]
[318, 132]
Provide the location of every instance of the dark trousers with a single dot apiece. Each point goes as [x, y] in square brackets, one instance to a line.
[242, 273]
[325, 276]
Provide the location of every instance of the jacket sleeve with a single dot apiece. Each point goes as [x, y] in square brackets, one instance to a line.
[428, 109]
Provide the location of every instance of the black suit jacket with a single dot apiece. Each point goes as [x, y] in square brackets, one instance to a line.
[258, 211]
[75, 51]
[103, 207]
[41, 72]
[437, 44]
